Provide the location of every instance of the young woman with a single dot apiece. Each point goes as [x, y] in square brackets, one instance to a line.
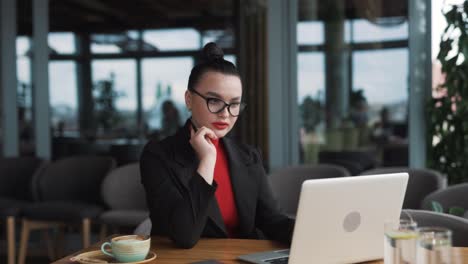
[200, 183]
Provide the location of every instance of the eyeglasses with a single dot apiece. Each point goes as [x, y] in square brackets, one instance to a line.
[216, 105]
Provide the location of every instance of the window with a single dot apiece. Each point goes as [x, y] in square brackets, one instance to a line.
[114, 83]
[231, 58]
[63, 98]
[341, 95]
[310, 33]
[383, 77]
[311, 89]
[24, 96]
[365, 31]
[164, 80]
[173, 39]
[224, 38]
[116, 43]
[62, 43]
[311, 75]
[22, 46]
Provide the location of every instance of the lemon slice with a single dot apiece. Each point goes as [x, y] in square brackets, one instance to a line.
[402, 235]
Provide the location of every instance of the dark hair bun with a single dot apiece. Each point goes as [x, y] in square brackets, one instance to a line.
[212, 52]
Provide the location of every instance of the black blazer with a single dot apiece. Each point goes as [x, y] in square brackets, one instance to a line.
[183, 206]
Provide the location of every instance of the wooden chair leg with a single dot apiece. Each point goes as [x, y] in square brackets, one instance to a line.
[11, 239]
[103, 232]
[49, 243]
[86, 232]
[24, 241]
[60, 241]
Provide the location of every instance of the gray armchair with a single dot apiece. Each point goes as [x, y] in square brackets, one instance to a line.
[458, 225]
[286, 183]
[68, 194]
[125, 197]
[354, 161]
[421, 182]
[126, 153]
[16, 183]
[452, 196]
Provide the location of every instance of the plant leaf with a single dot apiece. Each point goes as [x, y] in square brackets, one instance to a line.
[457, 211]
[437, 207]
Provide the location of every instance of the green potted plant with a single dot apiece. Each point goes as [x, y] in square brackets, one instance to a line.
[107, 115]
[448, 110]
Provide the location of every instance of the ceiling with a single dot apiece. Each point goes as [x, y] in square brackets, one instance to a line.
[119, 15]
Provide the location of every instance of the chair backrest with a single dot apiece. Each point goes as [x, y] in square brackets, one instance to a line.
[395, 155]
[74, 179]
[454, 195]
[458, 225]
[354, 161]
[421, 182]
[122, 188]
[126, 153]
[286, 183]
[144, 228]
[16, 176]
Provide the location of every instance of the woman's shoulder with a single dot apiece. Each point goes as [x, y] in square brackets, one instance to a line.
[163, 147]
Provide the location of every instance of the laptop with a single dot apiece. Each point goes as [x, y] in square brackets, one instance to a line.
[341, 220]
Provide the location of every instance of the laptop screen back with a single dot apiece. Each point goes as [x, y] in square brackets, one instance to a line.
[341, 220]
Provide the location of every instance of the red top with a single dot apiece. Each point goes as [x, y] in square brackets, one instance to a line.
[224, 194]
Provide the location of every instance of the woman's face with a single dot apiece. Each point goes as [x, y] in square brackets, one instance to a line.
[225, 87]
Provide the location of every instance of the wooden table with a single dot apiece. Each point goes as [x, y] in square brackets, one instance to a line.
[223, 250]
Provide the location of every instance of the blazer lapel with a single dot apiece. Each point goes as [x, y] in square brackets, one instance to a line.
[245, 191]
[186, 157]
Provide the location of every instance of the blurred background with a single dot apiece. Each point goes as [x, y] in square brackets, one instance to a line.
[116, 72]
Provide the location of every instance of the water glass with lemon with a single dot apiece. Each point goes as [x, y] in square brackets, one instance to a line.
[400, 242]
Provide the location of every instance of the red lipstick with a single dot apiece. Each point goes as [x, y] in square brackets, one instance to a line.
[220, 125]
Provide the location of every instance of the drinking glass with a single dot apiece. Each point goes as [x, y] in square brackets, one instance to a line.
[434, 245]
[400, 242]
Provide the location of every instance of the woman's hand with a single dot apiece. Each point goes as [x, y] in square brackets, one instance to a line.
[206, 151]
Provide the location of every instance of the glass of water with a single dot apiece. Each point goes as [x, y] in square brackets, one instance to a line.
[434, 245]
[400, 242]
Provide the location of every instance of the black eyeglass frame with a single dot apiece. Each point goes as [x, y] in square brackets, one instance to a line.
[208, 99]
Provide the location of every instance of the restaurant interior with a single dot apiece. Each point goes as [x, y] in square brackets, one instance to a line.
[333, 88]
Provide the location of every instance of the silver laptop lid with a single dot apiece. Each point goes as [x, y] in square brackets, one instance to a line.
[341, 220]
